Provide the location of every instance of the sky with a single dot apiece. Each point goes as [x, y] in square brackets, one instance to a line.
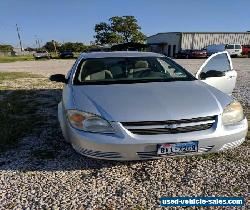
[74, 20]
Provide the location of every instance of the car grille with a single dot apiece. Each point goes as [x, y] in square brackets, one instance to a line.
[170, 126]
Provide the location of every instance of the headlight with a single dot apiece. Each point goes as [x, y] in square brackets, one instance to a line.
[88, 122]
[232, 113]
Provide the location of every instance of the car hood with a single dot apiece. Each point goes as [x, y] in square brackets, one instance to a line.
[156, 101]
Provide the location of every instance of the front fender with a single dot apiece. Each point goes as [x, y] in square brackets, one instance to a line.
[62, 120]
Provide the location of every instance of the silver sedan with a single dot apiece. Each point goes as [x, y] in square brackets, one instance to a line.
[142, 105]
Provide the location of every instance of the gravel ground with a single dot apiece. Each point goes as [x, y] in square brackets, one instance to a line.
[43, 172]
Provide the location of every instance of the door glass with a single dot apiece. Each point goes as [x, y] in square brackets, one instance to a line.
[237, 46]
[219, 62]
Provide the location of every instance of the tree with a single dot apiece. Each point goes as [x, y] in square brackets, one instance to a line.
[49, 46]
[105, 34]
[30, 49]
[6, 47]
[119, 30]
[68, 46]
[74, 47]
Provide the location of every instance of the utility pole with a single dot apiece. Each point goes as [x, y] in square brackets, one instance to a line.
[39, 44]
[54, 43]
[17, 29]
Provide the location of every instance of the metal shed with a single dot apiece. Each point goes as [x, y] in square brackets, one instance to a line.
[170, 43]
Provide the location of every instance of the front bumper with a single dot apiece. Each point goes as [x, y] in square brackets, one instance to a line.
[127, 146]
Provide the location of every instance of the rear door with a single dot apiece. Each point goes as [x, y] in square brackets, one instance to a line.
[218, 72]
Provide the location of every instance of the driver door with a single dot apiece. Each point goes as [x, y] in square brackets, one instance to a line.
[218, 72]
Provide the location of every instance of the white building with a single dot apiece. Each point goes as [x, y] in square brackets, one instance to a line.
[170, 43]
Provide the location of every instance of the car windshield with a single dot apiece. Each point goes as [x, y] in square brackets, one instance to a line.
[129, 70]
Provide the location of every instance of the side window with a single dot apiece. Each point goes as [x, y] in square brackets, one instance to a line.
[171, 69]
[219, 62]
[237, 46]
[230, 47]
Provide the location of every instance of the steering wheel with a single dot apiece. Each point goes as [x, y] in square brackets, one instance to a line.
[150, 73]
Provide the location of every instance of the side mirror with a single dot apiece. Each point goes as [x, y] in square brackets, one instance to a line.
[58, 78]
[211, 73]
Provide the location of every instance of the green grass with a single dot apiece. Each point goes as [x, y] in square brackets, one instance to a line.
[17, 112]
[16, 75]
[8, 59]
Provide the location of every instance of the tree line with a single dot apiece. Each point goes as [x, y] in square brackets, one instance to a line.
[118, 29]
[68, 46]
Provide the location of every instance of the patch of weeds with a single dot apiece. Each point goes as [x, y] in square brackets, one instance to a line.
[44, 154]
[17, 117]
[18, 114]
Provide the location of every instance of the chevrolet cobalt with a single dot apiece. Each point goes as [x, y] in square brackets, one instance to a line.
[142, 105]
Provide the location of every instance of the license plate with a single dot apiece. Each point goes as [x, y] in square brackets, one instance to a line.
[177, 148]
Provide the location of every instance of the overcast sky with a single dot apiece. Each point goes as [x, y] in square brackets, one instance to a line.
[74, 20]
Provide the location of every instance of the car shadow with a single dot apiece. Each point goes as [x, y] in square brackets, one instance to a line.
[38, 144]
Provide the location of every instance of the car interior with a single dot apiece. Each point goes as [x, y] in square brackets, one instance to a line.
[122, 69]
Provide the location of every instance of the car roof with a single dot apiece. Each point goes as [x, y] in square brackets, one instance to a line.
[119, 54]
